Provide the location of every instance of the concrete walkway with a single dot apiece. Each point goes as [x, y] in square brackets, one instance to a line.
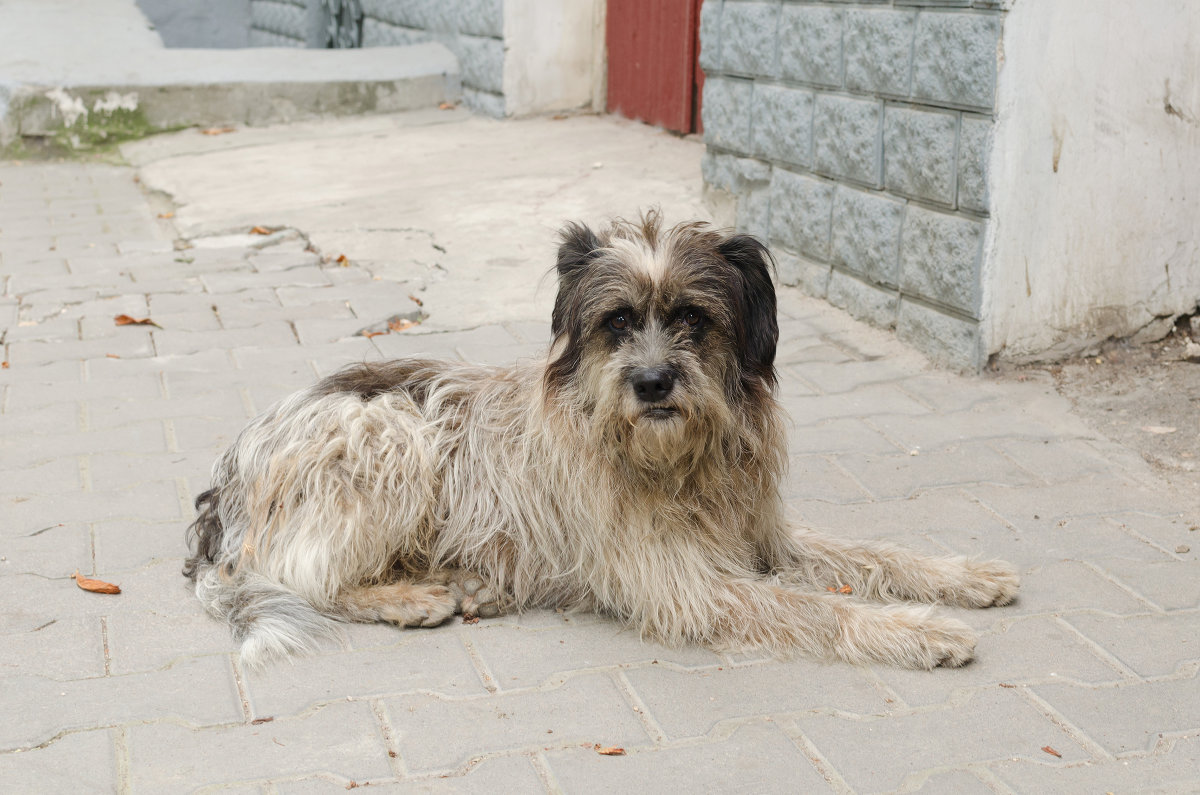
[1088, 683]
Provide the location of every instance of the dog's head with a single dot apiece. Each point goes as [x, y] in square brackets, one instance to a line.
[665, 337]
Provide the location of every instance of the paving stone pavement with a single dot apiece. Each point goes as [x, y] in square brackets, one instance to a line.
[1088, 683]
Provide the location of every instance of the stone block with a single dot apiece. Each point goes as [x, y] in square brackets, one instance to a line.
[899, 745]
[846, 138]
[782, 124]
[811, 277]
[376, 33]
[868, 302]
[955, 59]
[947, 341]
[940, 256]
[974, 149]
[748, 38]
[1172, 768]
[810, 44]
[437, 734]
[754, 212]
[866, 234]
[710, 35]
[480, 17]
[78, 762]
[481, 59]
[919, 149]
[1132, 718]
[756, 757]
[800, 211]
[342, 739]
[899, 475]
[1151, 645]
[726, 112]
[879, 50]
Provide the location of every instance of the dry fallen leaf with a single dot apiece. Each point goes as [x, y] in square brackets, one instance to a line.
[400, 324]
[369, 334]
[609, 751]
[416, 300]
[166, 215]
[217, 130]
[1051, 751]
[342, 260]
[260, 230]
[260, 721]
[1006, 684]
[95, 586]
[112, 356]
[446, 106]
[126, 320]
[4, 365]
[470, 619]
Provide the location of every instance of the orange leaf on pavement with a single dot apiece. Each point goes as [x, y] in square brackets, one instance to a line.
[217, 130]
[1051, 751]
[95, 586]
[126, 320]
[609, 751]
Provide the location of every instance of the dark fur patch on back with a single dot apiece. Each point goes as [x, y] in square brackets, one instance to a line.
[206, 532]
[370, 379]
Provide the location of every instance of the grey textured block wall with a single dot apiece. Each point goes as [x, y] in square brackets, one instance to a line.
[854, 135]
[472, 29]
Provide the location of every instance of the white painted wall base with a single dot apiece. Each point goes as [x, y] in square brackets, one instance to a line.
[1095, 175]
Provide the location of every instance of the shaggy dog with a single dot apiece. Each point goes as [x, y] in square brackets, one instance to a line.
[635, 472]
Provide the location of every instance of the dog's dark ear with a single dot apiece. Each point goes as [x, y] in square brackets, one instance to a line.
[755, 263]
[578, 248]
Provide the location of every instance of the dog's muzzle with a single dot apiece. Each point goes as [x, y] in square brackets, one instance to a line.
[652, 384]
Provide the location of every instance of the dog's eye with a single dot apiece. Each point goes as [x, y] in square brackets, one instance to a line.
[618, 322]
[692, 317]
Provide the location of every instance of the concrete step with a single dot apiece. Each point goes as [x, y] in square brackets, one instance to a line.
[75, 78]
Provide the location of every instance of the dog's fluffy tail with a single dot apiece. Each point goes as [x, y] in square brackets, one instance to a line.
[268, 620]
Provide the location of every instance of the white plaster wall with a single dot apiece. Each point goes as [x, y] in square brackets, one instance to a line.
[552, 54]
[1095, 174]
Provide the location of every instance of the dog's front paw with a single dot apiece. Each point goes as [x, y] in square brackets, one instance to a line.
[475, 597]
[425, 606]
[910, 637]
[985, 583]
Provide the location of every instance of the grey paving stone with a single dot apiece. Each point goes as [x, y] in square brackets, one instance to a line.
[208, 362]
[418, 661]
[129, 543]
[1066, 586]
[78, 762]
[64, 648]
[135, 344]
[523, 657]
[940, 257]
[145, 641]
[974, 149]
[901, 474]
[810, 44]
[919, 153]
[1043, 507]
[303, 277]
[781, 127]
[1173, 585]
[862, 300]
[885, 754]
[955, 58]
[51, 476]
[757, 757]
[813, 477]
[878, 46]
[838, 436]
[265, 335]
[866, 234]
[105, 413]
[55, 551]
[847, 138]
[1131, 717]
[800, 213]
[726, 120]
[1171, 768]
[1168, 533]
[1152, 645]
[436, 734]
[748, 38]
[200, 692]
[168, 757]
[28, 512]
[867, 401]
[690, 703]
[1025, 651]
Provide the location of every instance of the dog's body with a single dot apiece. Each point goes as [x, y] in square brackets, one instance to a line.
[634, 473]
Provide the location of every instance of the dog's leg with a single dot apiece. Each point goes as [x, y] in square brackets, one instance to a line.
[877, 570]
[783, 620]
[474, 596]
[406, 604]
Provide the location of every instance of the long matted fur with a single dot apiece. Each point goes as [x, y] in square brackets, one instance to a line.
[634, 472]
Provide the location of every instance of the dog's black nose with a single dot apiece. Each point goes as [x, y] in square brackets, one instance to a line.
[652, 384]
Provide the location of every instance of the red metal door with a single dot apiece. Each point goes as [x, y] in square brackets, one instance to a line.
[652, 71]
